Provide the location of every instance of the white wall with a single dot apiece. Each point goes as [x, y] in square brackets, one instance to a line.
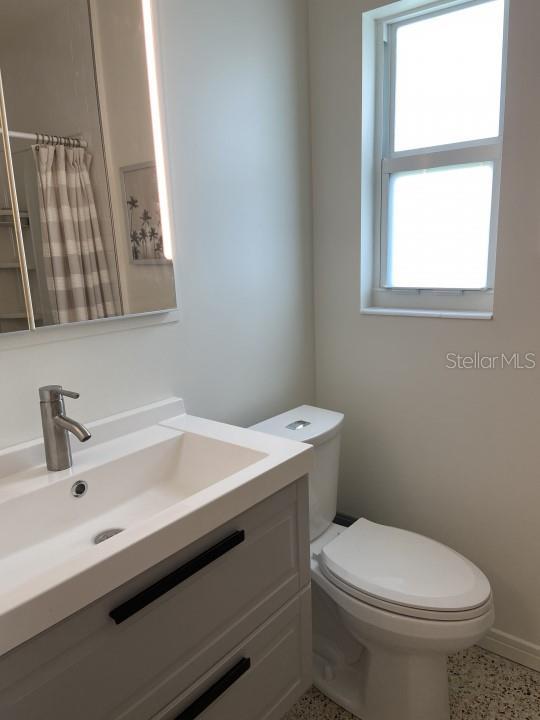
[452, 454]
[236, 114]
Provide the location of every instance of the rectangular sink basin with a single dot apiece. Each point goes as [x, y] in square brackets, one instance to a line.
[138, 476]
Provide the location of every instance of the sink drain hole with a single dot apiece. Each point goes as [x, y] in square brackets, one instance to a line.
[106, 534]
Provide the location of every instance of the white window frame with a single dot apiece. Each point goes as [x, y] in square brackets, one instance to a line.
[380, 161]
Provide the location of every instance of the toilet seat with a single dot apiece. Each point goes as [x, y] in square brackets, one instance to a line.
[404, 573]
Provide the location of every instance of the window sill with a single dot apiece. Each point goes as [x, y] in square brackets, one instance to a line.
[416, 312]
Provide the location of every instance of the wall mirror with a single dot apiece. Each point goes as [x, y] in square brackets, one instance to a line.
[91, 208]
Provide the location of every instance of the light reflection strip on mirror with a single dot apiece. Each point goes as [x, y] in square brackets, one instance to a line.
[157, 126]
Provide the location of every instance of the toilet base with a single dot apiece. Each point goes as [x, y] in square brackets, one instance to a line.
[339, 684]
[385, 685]
[377, 671]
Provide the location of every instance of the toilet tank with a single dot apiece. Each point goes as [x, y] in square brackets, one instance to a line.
[322, 429]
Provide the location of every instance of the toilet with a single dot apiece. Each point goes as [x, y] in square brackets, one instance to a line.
[389, 605]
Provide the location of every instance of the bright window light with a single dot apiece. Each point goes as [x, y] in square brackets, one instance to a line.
[448, 77]
[439, 227]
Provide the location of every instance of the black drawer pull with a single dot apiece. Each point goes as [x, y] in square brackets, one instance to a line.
[155, 591]
[214, 692]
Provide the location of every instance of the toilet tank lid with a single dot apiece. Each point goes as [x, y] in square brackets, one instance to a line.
[304, 424]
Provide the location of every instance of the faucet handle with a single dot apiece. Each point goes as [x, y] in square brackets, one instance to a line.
[70, 394]
[53, 393]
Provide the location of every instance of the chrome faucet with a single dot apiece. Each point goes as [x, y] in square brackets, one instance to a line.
[56, 426]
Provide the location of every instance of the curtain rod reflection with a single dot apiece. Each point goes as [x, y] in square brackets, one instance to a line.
[46, 139]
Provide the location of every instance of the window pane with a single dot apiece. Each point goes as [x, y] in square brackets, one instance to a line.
[448, 77]
[439, 227]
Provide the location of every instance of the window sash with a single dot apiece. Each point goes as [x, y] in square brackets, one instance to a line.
[388, 36]
[383, 254]
[483, 150]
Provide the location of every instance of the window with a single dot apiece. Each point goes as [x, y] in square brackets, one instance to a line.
[433, 82]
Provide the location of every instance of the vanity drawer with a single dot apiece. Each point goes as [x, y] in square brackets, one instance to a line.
[260, 680]
[91, 668]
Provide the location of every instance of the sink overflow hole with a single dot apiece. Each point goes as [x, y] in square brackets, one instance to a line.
[79, 489]
[106, 534]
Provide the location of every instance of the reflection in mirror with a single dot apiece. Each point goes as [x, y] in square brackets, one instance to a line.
[14, 305]
[77, 98]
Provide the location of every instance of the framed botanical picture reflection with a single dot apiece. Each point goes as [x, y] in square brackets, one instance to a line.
[143, 217]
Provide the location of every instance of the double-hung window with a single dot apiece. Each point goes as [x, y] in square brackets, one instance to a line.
[433, 85]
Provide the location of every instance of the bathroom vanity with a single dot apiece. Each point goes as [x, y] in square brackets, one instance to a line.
[199, 607]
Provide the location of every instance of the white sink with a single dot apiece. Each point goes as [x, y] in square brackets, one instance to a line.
[164, 486]
[133, 479]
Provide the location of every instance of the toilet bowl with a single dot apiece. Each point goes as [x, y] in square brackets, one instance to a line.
[389, 605]
[395, 663]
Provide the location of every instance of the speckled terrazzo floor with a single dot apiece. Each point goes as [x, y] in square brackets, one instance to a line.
[482, 687]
